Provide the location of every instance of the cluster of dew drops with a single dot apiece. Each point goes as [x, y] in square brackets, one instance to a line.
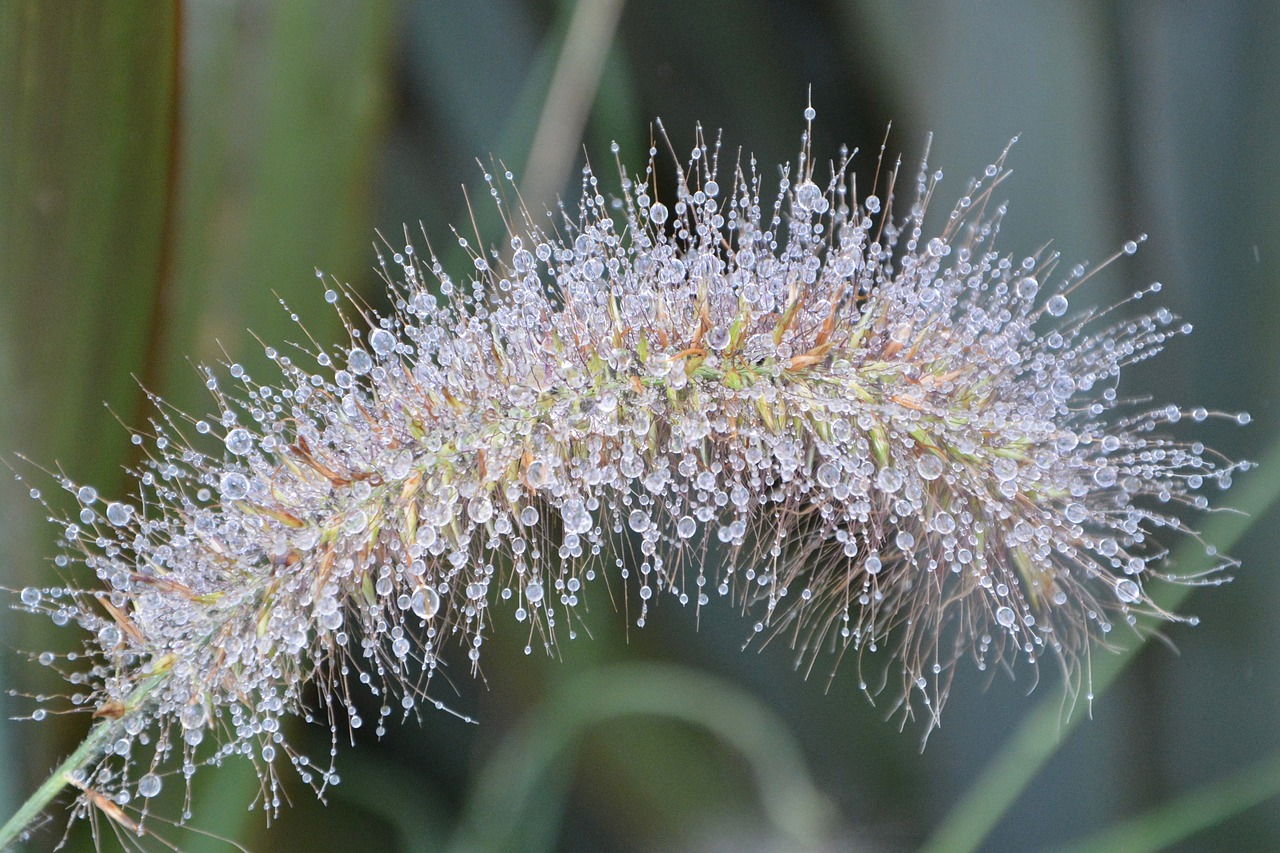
[803, 405]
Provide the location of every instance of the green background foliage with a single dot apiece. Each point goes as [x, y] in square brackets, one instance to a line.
[170, 172]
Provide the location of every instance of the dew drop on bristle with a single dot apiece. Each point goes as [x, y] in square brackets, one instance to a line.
[930, 467]
[239, 441]
[234, 486]
[119, 514]
[149, 785]
[382, 342]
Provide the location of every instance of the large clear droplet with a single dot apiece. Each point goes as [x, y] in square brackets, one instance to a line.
[929, 466]
[1128, 591]
[425, 602]
[382, 341]
[539, 474]
[234, 486]
[118, 513]
[149, 785]
[576, 517]
[480, 509]
[239, 441]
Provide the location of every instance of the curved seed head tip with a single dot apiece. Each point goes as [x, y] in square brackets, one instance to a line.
[900, 448]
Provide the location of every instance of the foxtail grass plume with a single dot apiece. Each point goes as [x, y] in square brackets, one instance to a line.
[903, 449]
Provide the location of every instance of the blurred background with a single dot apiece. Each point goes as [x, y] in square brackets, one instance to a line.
[169, 172]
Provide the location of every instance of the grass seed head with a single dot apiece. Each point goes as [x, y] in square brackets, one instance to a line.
[880, 443]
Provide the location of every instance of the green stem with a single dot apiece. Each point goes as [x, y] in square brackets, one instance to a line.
[1043, 731]
[86, 753]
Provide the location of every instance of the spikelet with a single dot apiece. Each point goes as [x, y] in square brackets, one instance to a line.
[879, 444]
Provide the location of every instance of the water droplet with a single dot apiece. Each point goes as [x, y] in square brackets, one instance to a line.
[119, 514]
[576, 517]
[1028, 287]
[1005, 616]
[904, 540]
[1057, 305]
[87, 495]
[382, 341]
[239, 441]
[889, 480]
[1128, 591]
[807, 196]
[828, 474]
[149, 785]
[638, 520]
[533, 592]
[480, 509]
[930, 466]
[658, 213]
[1062, 387]
[539, 474]
[717, 338]
[1004, 469]
[30, 596]
[425, 602]
[686, 527]
[192, 715]
[234, 486]
[355, 523]
[359, 361]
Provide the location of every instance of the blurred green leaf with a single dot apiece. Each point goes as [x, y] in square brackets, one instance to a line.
[284, 115]
[87, 148]
[511, 803]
